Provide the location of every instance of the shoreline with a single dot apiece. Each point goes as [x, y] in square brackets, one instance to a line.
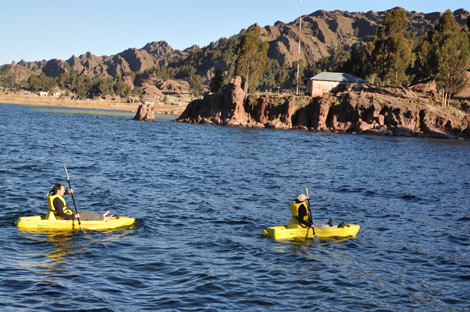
[51, 101]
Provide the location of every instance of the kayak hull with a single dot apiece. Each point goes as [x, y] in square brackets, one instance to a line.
[295, 231]
[39, 223]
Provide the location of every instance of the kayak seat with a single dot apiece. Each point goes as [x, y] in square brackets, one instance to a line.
[50, 216]
[294, 224]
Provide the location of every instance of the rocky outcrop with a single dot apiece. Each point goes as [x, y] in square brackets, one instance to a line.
[145, 112]
[151, 91]
[54, 68]
[392, 111]
[226, 108]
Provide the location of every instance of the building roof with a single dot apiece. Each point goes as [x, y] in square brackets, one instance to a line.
[339, 77]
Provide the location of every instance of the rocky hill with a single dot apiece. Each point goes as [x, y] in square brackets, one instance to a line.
[322, 31]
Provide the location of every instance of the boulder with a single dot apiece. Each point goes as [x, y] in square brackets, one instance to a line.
[321, 114]
[362, 126]
[128, 82]
[372, 113]
[402, 131]
[427, 88]
[236, 114]
[145, 112]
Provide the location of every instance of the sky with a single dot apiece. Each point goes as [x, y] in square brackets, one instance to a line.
[33, 30]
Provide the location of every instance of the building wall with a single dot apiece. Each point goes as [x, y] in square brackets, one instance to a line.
[317, 87]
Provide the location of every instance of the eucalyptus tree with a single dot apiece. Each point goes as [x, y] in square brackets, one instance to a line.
[195, 85]
[252, 58]
[389, 50]
[447, 52]
[218, 81]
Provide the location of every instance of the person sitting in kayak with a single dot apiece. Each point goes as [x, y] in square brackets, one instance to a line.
[302, 212]
[59, 207]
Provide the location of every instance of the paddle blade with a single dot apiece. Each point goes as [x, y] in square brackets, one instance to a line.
[308, 191]
[66, 172]
[316, 239]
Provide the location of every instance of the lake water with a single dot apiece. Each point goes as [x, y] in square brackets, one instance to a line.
[203, 194]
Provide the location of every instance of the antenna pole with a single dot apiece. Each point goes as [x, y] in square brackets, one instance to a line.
[298, 52]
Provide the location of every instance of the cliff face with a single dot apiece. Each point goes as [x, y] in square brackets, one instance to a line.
[393, 111]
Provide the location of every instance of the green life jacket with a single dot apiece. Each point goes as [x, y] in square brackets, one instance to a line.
[294, 208]
[50, 201]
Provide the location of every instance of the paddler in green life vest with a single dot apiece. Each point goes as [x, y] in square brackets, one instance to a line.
[302, 213]
[61, 211]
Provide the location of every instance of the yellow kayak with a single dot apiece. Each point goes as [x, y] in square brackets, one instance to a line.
[49, 223]
[294, 230]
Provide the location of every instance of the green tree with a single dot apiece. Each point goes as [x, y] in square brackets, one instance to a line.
[106, 86]
[195, 85]
[252, 56]
[390, 50]
[80, 87]
[358, 63]
[218, 81]
[395, 21]
[120, 88]
[34, 83]
[448, 55]
[271, 75]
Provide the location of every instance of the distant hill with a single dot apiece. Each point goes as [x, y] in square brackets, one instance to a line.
[322, 31]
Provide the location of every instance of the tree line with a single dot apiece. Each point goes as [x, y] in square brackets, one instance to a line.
[395, 57]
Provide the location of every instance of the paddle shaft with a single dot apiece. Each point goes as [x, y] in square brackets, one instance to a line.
[315, 237]
[309, 211]
[73, 198]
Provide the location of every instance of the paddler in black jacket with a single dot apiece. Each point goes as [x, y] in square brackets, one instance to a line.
[60, 209]
[304, 210]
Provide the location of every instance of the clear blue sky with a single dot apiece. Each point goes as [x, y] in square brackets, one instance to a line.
[42, 30]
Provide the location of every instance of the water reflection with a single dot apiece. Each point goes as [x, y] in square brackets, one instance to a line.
[56, 247]
[325, 251]
[60, 248]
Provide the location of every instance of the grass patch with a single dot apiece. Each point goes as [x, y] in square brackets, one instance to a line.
[457, 112]
[85, 112]
[95, 112]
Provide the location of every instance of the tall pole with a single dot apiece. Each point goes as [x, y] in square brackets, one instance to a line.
[298, 52]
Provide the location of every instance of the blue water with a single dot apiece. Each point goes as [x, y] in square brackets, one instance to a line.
[203, 194]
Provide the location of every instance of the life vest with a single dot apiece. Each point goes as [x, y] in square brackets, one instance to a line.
[294, 208]
[50, 201]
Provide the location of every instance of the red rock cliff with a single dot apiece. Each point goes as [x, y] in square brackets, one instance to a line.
[392, 111]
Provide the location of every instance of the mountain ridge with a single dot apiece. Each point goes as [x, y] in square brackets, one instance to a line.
[322, 31]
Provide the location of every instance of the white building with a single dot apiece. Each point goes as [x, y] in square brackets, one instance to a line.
[329, 82]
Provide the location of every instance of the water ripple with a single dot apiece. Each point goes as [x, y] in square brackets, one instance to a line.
[203, 194]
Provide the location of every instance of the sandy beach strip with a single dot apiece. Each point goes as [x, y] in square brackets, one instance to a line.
[51, 101]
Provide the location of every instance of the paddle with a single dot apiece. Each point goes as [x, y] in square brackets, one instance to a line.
[315, 237]
[73, 198]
